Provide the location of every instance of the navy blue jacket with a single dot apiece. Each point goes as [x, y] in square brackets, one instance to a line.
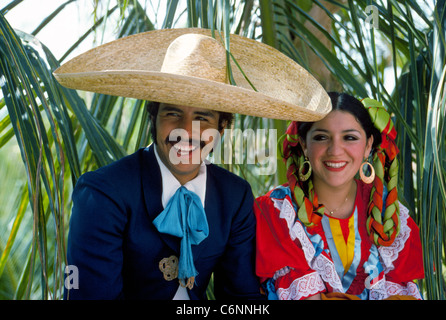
[117, 249]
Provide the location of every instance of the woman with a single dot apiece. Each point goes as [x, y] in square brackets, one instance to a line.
[327, 234]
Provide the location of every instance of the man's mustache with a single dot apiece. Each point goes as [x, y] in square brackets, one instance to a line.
[193, 142]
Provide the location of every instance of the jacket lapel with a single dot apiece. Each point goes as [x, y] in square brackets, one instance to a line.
[152, 188]
[210, 210]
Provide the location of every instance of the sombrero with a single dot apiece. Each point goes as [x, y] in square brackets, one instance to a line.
[188, 67]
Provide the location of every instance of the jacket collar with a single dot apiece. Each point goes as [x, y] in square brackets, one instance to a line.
[170, 184]
[152, 189]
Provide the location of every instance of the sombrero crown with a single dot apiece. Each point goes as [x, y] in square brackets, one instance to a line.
[188, 67]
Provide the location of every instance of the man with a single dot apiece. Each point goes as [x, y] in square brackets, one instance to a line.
[157, 224]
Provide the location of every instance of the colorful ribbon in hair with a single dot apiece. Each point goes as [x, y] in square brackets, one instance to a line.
[383, 122]
[310, 211]
[383, 220]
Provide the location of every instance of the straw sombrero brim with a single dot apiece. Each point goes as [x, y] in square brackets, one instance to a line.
[130, 67]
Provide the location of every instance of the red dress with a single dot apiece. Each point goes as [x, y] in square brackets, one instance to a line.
[295, 262]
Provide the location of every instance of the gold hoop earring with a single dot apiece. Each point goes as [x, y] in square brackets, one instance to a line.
[367, 179]
[306, 176]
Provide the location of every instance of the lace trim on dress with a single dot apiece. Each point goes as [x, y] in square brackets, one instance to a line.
[281, 272]
[312, 283]
[302, 287]
[389, 254]
[320, 263]
[384, 289]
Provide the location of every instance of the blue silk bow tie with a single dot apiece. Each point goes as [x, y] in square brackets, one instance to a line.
[184, 217]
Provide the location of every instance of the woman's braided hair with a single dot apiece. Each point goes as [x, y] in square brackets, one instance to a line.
[383, 215]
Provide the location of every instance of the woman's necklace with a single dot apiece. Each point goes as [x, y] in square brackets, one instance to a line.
[331, 212]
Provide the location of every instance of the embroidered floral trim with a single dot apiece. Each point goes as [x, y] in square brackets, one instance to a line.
[389, 254]
[302, 287]
[384, 289]
[313, 283]
[324, 266]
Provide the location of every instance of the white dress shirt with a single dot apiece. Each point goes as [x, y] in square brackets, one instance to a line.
[170, 185]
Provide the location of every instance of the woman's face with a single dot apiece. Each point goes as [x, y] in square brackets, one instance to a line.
[336, 147]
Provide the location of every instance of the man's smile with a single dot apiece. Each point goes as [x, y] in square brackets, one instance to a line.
[184, 149]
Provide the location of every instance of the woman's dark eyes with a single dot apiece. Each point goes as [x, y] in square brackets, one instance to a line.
[321, 137]
[350, 138]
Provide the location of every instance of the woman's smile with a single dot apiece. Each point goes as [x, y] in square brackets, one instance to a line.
[335, 165]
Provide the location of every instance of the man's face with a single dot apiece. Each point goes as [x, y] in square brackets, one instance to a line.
[180, 142]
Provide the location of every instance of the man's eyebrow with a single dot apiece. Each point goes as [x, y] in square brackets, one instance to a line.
[171, 108]
[206, 114]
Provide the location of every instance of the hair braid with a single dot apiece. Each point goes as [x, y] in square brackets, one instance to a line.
[309, 210]
[383, 218]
